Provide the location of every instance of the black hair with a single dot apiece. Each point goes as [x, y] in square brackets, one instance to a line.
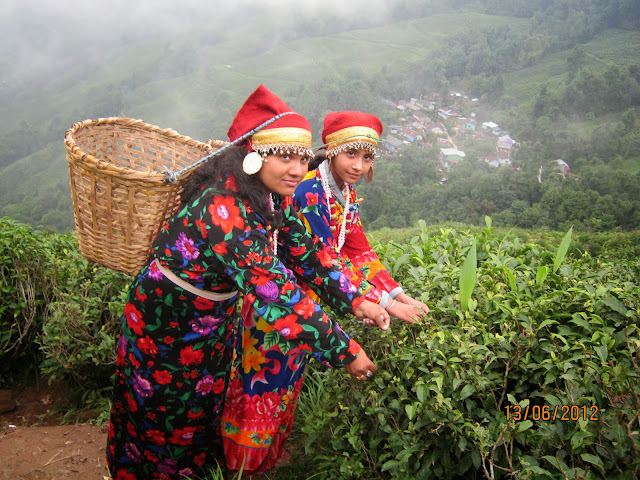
[250, 187]
[317, 160]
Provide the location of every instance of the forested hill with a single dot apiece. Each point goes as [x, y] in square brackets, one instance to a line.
[562, 78]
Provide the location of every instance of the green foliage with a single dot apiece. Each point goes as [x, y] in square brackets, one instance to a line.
[468, 277]
[83, 321]
[551, 334]
[59, 312]
[25, 291]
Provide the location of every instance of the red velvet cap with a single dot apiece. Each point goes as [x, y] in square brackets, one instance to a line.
[349, 128]
[290, 132]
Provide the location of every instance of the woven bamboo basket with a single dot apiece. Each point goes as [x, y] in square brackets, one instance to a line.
[121, 199]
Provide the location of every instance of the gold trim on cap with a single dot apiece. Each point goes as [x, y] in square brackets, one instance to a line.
[352, 134]
[281, 137]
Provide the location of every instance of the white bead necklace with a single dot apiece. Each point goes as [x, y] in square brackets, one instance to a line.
[324, 179]
[275, 232]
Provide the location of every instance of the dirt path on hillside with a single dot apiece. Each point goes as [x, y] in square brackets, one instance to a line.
[34, 446]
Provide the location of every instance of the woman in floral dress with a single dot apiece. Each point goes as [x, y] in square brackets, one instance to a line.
[235, 235]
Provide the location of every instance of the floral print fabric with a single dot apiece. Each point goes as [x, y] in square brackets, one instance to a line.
[176, 349]
[323, 220]
[253, 433]
[266, 379]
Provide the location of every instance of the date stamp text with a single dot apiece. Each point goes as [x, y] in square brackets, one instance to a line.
[564, 413]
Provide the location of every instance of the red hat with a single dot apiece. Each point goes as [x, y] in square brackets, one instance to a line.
[290, 132]
[344, 130]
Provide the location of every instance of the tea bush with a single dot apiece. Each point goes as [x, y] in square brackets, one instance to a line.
[24, 293]
[550, 335]
[59, 313]
[537, 378]
[83, 319]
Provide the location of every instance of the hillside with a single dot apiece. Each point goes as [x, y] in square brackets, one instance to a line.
[193, 79]
[177, 102]
[613, 47]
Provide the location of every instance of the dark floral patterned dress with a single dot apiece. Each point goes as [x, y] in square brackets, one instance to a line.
[272, 370]
[176, 349]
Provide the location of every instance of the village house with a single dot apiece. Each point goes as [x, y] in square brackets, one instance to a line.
[392, 144]
[504, 158]
[447, 113]
[421, 116]
[506, 143]
[490, 159]
[562, 165]
[449, 157]
[394, 129]
[498, 159]
[428, 105]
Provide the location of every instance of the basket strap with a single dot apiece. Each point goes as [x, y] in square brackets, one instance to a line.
[172, 177]
[216, 297]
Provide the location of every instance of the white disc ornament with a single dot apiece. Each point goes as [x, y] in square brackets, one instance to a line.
[252, 163]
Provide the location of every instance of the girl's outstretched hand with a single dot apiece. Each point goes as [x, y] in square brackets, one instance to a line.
[405, 312]
[404, 298]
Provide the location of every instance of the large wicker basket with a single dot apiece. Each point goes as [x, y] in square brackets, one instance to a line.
[120, 197]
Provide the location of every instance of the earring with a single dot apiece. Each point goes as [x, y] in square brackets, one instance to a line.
[252, 163]
[370, 174]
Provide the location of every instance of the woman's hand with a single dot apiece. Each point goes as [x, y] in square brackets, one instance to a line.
[405, 312]
[361, 368]
[373, 314]
[404, 298]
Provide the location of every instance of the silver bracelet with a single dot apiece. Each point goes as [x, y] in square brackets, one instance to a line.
[392, 303]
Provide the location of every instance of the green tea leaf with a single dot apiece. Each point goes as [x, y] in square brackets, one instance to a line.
[512, 280]
[541, 274]
[562, 250]
[525, 425]
[587, 457]
[421, 391]
[615, 305]
[411, 411]
[390, 465]
[468, 276]
[602, 352]
[467, 390]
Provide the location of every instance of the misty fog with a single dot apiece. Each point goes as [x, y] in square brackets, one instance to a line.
[44, 39]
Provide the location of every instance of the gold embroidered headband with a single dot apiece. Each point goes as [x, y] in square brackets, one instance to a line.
[352, 137]
[287, 139]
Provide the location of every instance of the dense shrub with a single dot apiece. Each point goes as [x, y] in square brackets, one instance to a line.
[552, 337]
[540, 332]
[24, 293]
[83, 319]
[59, 313]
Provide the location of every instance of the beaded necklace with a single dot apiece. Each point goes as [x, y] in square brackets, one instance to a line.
[324, 179]
[275, 232]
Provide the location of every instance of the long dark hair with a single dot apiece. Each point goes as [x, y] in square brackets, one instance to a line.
[317, 160]
[250, 188]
